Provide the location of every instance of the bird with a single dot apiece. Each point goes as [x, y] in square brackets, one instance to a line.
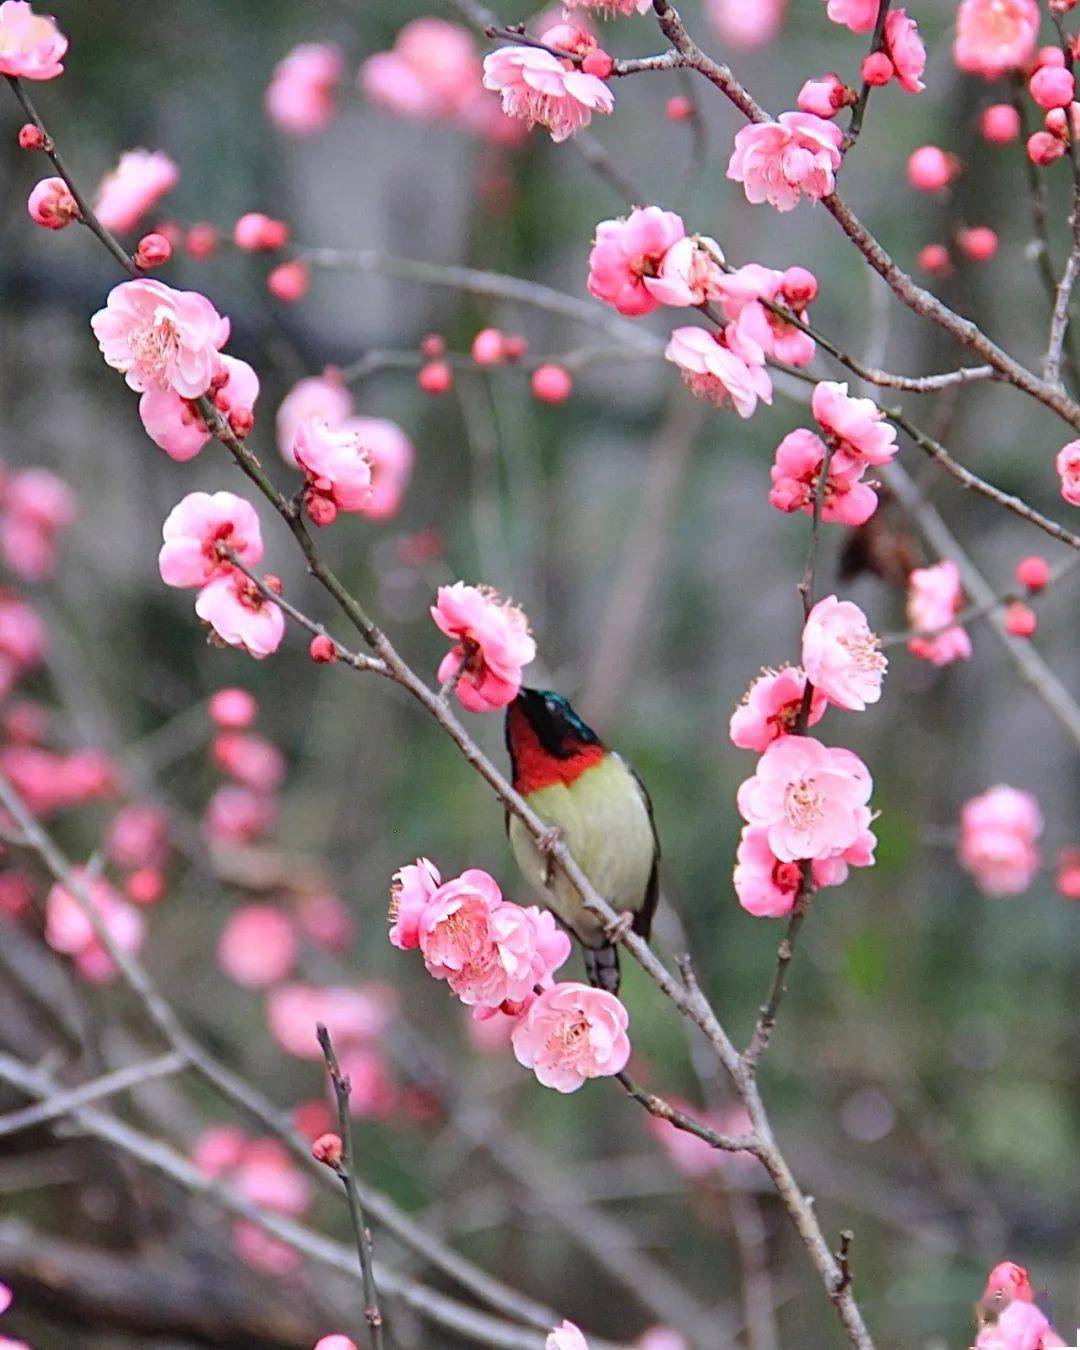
[591, 799]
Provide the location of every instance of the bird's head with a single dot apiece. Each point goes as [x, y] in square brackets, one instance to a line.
[548, 742]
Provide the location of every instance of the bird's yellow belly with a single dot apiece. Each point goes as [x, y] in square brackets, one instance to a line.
[605, 825]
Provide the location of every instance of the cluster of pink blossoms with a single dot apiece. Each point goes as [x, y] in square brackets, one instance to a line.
[36, 507]
[70, 931]
[901, 56]
[498, 957]
[245, 807]
[999, 833]
[1008, 1315]
[806, 803]
[492, 644]
[200, 533]
[647, 260]
[559, 92]
[860, 438]
[934, 599]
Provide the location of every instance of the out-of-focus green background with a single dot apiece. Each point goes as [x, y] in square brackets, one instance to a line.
[924, 1076]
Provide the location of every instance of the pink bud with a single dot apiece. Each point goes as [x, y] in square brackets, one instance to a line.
[201, 241]
[435, 378]
[1057, 124]
[322, 650]
[929, 169]
[432, 346]
[489, 347]
[327, 1149]
[825, 97]
[154, 250]
[679, 108]
[551, 383]
[1043, 148]
[799, 287]
[935, 259]
[1020, 619]
[289, 282]
[241, 420]
[272, 583]
[52, 205]
[146, 886]
[598, 63]
[1033, 573]
[1046, 58]
[1062, 6]
[877, 69]
[979, 243]
[1052, 87]
[233, 708]
[516, 347]
[321, 510]
[31, 137]
[1000, 123]
[257, 233]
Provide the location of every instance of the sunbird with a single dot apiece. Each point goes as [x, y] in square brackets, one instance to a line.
[597, 805]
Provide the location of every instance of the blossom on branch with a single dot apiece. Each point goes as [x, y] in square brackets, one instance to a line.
[995, 36]
[627, 257]
[800, 456]
[492, 644]
[544, 90]
[859, 15]
[778, 162]
[1067, 464]
[841, 655]
[31, 45]
[770, 707]
[571, 1033]
[199, 533]
[934, 598]
[856, 425]
[337, 472]
[711, 370]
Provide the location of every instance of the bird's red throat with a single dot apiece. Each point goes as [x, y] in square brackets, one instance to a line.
[536, 768]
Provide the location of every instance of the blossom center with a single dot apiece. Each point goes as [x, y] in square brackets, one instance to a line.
[158, 346]
[863, 648]
[802, 804]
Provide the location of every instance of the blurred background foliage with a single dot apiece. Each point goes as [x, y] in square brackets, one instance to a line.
[924, 1077]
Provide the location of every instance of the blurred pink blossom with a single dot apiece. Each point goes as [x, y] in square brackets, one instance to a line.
[999, 833]
[300, 98]
[934, 598]
[31, 45]
[994, 36]
[695, 1157]
[354, 1015]
[134, 187]
[249, 758]
[746, 25]
[323, 396]
[236, 815]
[69, 930]
[257, 946]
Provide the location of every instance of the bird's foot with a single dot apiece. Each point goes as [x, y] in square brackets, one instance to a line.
[616, 931]
[547, 843]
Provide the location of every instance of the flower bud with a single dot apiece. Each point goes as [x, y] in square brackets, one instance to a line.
[52, 205]
[516, 346]
[322, 650]
[328, 1149]
[877, 69]
[935, 259]
[979, 243]
[258, 233]
[799, 287]
[679, 108]
[598, 63]
[1020, 619]
[1033, 573]
[201, 241]
[1000, 123]
[154, 250]
[930, 169]
[489, 347]
[433, 346]
[551, 383]
[289, 282]
[31, 137]
[1044, 147]
[1052, 87]
[435, 378]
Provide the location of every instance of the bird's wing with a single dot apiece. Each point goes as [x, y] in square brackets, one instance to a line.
[644, 916]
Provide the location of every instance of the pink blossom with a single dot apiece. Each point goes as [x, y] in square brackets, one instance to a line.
[543, 90]
[161, 338]
[37, 506]
[1067, 464]
[689, 273]
[390, 455]
[711, 370]
[1008, 1281]
[799, 459]
[432, 72]
[998, 834]
[841, 655]
[768, 887]
[695, 1157]
[257, 946]
[934, 597]
[770, 706]
[857, 425]
[300, 96]
[232, 708]
[323, 396]
[777, 162]
[741, 292]
[566, 1336]
[241, 615]
[905, 50]
[746, 25]
[52, 204]
[930, 169]
[176, 425]
[336, 469]
[824, 97]
[492, 644]
[6, 1298]
[335, 1343]
[1021, 1326]
[326, 922]
[354, 1015]
[236, 815]
[23, 641]
[810, 798]
[31, 45]
[629, 251]
[256, 232]
[994, 36]
[134, 187]
[571, 1033]
[138, 837]
[411, 891]
[69, 930]
[199, 531]
[374, 1094]
[859, 15]
[249, 758]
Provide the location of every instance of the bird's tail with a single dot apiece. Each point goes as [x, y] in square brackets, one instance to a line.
[602, 968]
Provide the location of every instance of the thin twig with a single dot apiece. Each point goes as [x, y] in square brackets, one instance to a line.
[859, 110]
[108, 1085]
[663, 1110]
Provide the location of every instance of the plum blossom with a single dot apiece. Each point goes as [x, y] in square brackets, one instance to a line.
[825, 96]
[70, 931]
[999, 831]
[571, 1033]
[337, 472]
[300, 96]
[1022, 1326]
[994, 36]
[249, 758]
[768, 888]
[52, 204]
[492, 644]
[355, 1015]
[904, 48]
[390, 455]
[841, 655]
[161, 338]
[543, 90]
[741, 293]
[176, 425]
[324, 396]
[1007, 1281]
[241, 615]
[199, 531]
[857, 425]
[566, 1336]
[690, 273]
[777, 162]
[257, 946]
[859, 15]
[138, 836]
[693, 1156]
[847, 500]
[711, 370]
[1067, 464]
[134, 187]
[411, 891]
[233, 708]
[237, 815]
[628, 254]
[335, 1342]
[770, 707]
[810, 798]
[743, 25]
[36, 506]
[934, 598]
[432, 71]
[31, 45]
